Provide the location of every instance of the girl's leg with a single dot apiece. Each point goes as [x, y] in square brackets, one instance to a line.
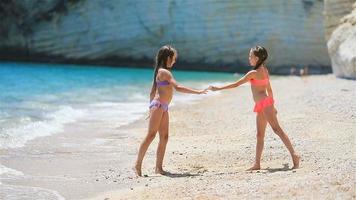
[154, 123]
[261, 129]
[271, 117]
[163, 139]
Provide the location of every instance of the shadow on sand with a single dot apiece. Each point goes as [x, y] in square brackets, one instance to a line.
[284, 168]
[179, 175]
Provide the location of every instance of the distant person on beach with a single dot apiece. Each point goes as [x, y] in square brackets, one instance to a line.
[264, 103]
[160, 97]
[304, 71]
[293, 71]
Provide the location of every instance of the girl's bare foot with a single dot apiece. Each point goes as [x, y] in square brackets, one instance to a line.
[254, 167]
[160, 171]
[296, 159]
[137, 170]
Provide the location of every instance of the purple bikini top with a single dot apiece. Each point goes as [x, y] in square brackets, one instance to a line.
[161, 83]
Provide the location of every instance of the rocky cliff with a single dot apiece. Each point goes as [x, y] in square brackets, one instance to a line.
[209, 34]
[340, 22]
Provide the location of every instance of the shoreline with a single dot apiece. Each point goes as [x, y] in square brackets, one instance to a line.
[10, 56]
[211, 144]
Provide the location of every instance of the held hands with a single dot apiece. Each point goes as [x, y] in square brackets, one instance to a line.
[213, 88]
[203, 91]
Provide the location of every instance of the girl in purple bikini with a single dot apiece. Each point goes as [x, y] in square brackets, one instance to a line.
[160, 97]
[264, 108]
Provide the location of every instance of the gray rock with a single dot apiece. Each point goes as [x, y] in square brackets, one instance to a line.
[18, 17]
[334, 10]
[207, 33]
[342, 47]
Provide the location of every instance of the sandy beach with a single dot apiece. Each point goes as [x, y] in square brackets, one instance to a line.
[212, 143]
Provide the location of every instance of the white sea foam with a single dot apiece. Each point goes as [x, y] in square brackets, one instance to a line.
[8, 172]
[15, 192]
[117, 114]
[54, 123]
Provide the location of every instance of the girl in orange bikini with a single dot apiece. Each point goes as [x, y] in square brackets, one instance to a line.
[264, 108]
[160, 97]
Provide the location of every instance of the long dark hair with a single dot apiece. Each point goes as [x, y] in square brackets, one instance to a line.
[262, 55]
[162, 56]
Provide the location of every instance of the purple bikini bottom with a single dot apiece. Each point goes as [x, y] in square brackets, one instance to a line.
[155, 103]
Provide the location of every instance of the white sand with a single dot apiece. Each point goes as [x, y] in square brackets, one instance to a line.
[211, 144]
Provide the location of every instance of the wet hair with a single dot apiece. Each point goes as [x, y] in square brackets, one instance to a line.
[162, 56]
[262, 55]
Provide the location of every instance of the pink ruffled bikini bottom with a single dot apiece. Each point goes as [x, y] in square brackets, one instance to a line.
[262, 104]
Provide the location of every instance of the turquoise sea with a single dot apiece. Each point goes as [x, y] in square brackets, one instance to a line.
[39, 99]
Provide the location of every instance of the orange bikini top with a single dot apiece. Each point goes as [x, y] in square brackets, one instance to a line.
[259, 82]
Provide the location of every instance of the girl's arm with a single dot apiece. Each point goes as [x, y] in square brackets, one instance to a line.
[166, 75]
[244, 79]
[183, 89]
